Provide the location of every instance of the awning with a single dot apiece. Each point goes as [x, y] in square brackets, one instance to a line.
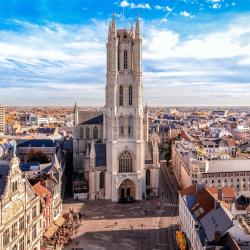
[59, 222]
[50, 231]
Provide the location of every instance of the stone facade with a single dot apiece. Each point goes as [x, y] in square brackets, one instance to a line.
[120, 162]
[21, 224]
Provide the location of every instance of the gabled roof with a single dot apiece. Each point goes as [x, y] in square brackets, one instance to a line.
[41, 190]
[94, 121]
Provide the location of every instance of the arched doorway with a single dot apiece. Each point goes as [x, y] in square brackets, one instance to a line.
[127, 189]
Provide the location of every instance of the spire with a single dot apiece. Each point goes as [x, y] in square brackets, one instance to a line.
[113, 30]
[92, 149]
[92, 155]
[137, 28]
[109, 34]
[132, 30]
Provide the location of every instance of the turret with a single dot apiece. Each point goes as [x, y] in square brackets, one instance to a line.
[137, 48]
[137, 29]
[92, 155]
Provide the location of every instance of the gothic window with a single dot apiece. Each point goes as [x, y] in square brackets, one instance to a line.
[81, 132]
[87, 133]
[125, 162]
[147, 177]
[121, 95]
[14, 230]
[125, 59]
[130, 125]
[14, 247]
[6, 237]
[102, 180]
[130, 95]
[14, 186]
[21, 244]
[34, 232]
[21, 224]
[95, 133]
[121, 126]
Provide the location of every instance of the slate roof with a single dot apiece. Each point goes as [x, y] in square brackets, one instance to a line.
[100, 151]
[37, 143]
[217, 220]
[4, 172]
[46, 130]
[94, 121]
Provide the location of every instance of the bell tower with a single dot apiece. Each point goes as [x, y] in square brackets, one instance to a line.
[124, 114]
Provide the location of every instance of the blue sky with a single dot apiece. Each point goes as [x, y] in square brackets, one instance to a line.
[195, 52]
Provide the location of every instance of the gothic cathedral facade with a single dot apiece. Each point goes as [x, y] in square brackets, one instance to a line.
[123, 163]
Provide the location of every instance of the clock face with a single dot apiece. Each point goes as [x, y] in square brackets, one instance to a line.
[11, 210]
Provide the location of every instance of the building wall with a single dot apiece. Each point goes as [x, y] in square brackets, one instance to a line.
[187, 225]
[2, 119]
[17, 206]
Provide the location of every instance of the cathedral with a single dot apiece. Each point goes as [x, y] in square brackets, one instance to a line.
[111, 151]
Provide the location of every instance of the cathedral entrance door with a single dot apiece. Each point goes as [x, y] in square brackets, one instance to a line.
[127, 189]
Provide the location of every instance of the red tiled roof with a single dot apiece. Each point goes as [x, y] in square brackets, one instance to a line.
[41, 190]
[227, 192]
[189, 190]
[204, 203]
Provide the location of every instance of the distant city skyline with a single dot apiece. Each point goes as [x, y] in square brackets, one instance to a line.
[194, 52]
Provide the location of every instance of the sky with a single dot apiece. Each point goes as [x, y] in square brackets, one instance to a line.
[195, 52]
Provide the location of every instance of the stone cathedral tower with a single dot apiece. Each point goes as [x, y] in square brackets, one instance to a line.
[124, 115]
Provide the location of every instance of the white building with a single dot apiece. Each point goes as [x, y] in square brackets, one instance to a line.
[190, 167]
[21, 225]
[123, 163]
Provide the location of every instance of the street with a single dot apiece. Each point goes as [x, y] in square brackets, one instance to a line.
[136, 226]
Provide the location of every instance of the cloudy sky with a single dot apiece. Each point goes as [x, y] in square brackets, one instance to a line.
[195, 52]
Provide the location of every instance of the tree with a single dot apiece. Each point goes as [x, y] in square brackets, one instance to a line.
[34, 156]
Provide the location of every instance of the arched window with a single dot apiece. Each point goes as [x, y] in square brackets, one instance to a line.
[95, 133]
[130, 126]
[102, 180]
[130, 95]
[121, 95]
[121, 126]
[125, 162]
[81, 132]
[147, 177]
[87, 133]
[14, 247]
[125, 59]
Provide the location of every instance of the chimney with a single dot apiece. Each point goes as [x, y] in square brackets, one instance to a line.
[220, 194]
[217, 236]
[216, 204]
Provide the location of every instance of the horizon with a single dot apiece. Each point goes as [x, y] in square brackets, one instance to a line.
[195, 53]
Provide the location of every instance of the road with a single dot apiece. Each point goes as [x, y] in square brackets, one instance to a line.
[113, 226]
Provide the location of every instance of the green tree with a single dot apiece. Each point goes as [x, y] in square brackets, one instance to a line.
[34, 156]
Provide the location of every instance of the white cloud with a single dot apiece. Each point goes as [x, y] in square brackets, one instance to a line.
[57, 64]
[132, 5]
[216, 6]
[185, 13]
[124, 4]
[165, 8]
